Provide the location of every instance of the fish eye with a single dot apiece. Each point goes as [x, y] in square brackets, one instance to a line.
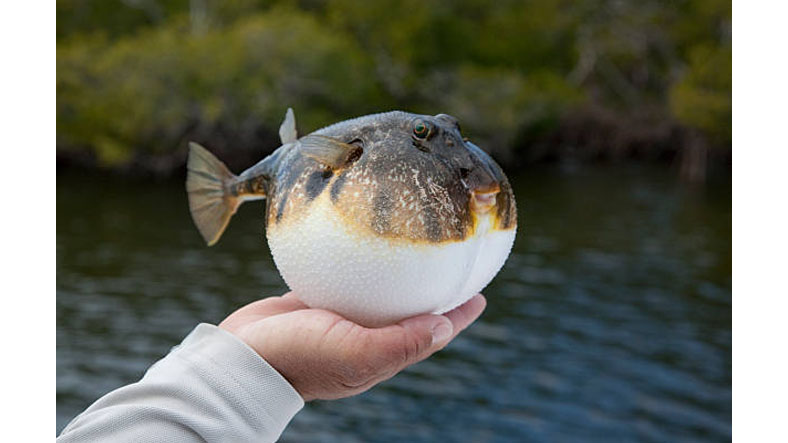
[422, 129]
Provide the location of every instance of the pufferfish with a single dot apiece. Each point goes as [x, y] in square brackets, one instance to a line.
[377, 218]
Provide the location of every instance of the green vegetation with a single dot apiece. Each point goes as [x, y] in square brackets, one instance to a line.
[136, 80]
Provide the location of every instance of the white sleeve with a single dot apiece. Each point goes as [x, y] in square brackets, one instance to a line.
[212, 387]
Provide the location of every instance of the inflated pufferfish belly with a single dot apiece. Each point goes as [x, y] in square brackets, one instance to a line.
[376, 280]
[378, 218]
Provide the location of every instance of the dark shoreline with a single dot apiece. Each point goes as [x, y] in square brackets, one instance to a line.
[718, 166]
[578, 142]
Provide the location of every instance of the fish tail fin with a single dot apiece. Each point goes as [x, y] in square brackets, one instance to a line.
[208, 184]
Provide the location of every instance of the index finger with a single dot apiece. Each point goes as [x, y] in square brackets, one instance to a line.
[266, 307]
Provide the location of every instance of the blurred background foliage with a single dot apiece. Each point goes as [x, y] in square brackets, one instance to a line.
[531, 81]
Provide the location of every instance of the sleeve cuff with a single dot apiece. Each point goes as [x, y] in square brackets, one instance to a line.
[262, 392]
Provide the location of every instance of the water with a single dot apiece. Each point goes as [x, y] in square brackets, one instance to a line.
[611, 321]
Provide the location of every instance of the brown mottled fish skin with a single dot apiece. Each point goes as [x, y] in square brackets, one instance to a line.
[399, 187]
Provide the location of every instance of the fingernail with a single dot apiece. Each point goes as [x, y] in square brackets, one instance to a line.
[442, 331]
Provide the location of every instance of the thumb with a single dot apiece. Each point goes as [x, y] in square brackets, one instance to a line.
[434, 331]
[410, 340]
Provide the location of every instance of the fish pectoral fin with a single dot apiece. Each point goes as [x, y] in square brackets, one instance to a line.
[287, 132]
[207, 184]
[328, 150]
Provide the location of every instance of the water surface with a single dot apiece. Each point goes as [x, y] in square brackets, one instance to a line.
[611, 321]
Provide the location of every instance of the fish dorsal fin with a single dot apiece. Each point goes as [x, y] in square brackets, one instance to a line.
[329, 151]
[287, 132]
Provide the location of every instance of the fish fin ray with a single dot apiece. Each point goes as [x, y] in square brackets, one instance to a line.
[207, 183]
[327, 150]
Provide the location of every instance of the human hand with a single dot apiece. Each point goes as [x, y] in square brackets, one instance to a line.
[325, 356]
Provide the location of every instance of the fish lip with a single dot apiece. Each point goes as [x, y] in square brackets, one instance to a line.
[483, 198]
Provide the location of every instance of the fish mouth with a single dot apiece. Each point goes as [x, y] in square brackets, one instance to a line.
[483, 199]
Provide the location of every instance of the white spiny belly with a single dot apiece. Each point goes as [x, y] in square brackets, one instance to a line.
[376, 281]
